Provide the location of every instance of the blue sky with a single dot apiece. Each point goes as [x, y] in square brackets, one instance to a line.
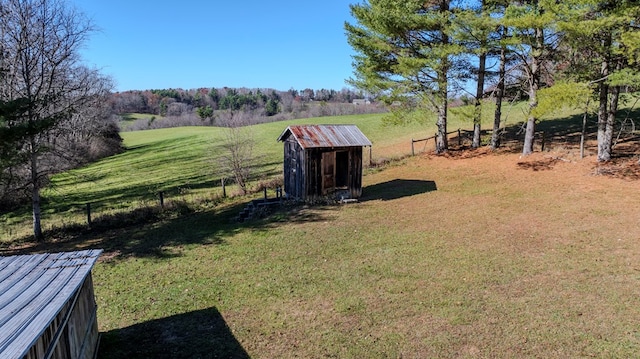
[191, 44]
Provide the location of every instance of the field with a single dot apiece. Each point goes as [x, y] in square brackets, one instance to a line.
[181, 163]
[468, 255]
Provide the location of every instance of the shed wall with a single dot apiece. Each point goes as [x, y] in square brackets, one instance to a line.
[311, 185]
[75, 328]
[313, 173]
[355, 172]
[294, 169]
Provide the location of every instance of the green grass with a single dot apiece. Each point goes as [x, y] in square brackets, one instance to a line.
[181, 163]
[128, 119]
[388, 277]
[440, 258]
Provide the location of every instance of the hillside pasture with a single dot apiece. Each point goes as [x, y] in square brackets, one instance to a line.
[472, 254]
[182, 163]
[485, 256]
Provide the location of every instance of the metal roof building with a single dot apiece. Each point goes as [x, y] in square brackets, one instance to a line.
[323, 161]
[47, 306]
[328, 136]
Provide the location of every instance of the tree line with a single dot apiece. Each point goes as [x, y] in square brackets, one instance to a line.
[558, 53]
[213, 106]
[57, 113]
[53, 109]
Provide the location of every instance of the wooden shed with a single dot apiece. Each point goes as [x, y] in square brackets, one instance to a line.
[47, 306]
[323, 161]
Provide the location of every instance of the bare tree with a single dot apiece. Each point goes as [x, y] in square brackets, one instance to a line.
[41, 40]
[237, 158]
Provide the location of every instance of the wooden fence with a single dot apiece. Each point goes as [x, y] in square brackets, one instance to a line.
[459, 131]
[161, 201]
[413, 141]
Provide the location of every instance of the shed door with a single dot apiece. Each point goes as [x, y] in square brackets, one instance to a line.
[342, 169]
[328, 171]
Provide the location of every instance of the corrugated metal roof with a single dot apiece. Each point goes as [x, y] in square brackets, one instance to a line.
[314, 136]
[33, 290]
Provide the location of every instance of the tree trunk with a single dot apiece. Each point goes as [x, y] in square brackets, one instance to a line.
[534, 84]
[583, 135]
[495, 135]
[604, 145]
[477, 112]
[604, 142]
[35, 194]
[441, 139]
[607, 143]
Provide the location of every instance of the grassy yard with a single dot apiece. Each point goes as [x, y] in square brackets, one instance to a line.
[470, 255]
[476, 257]
[181, 163]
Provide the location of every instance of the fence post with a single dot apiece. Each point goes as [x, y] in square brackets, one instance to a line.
[370, 156]
[459, 138]
[412, 152]
[224, 188]
[265, 193]
[161, 195]
[89, 214]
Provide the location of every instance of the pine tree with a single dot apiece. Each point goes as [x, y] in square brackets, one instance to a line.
[405, 53]
[533, 31]
[605, 43]
[475, 30]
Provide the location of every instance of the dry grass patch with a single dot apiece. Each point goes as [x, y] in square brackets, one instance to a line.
[475, 255]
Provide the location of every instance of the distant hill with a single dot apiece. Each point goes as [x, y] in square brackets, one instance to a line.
[232, 106]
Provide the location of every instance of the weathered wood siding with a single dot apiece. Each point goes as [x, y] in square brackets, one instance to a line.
[313, 174]
[355, 172]
[294, 169]
[310, 181]
[75, 328]
[323, 160]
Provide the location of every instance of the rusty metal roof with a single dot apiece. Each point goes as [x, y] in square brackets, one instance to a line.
[33, 290]
[316, 136]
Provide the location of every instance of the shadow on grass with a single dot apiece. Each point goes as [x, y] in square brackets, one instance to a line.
[567, 131]
[563, 131]
[57, 202]
[539, 165]
[199, 334]
[397, 188]
[160, 234]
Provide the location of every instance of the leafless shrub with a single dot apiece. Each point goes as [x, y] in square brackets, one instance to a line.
[237, 159]
[271, 183]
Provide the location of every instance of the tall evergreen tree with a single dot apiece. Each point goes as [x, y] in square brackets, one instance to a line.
[498, 50]
[500, 88]
[475, 30]
[532, 41]
[13, 136]
[604, 38]
[404, 52]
